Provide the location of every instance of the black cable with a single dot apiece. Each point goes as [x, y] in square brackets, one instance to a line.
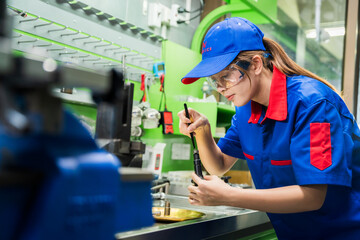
[161, 98]
[195, 17]
[165, 109]
[183, 10]
[182, 21]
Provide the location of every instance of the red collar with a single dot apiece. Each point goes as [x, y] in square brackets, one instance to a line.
[277, 109]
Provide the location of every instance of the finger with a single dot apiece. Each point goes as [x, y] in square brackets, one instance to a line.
[184, 119]
[207, 177]
[210, 177]
[192, 113]
[192, 189]
[196, 178]
[182, 116]
[193, 201]
[192, 195]
[198, 123]
[183, 128]
[181, 113]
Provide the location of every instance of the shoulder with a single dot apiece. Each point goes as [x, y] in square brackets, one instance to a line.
[309, 91]
[306, 92]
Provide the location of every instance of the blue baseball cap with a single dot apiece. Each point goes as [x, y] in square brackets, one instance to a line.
[222, 43]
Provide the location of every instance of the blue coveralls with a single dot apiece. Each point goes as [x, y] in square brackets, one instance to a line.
[305, 136]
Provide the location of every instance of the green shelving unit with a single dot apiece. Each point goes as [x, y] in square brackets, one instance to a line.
[225, 113]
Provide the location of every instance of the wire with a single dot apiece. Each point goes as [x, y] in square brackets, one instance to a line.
[163, 95]
[182, 21]
[183, 10]
[195, 17]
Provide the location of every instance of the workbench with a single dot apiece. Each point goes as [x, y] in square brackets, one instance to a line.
[219, 222]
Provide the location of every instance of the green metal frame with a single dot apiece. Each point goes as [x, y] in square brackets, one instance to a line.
[221, 11]
[210, 18]
[240, 6]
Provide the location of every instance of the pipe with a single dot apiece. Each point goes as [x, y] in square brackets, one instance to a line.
[164, 185]
[317, 19]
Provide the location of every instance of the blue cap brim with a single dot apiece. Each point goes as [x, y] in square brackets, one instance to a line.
[208, 67]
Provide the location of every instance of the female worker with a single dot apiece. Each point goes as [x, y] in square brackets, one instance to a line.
[300, 141]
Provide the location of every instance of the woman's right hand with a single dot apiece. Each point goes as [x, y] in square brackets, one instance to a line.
[197, 122]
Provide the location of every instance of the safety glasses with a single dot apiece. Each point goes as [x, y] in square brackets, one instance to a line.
[227, 78]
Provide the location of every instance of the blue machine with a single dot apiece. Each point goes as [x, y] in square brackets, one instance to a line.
[71, 188]
[61, 185]
[55, 182]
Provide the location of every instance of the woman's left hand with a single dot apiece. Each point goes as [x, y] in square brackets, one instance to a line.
[211, 191]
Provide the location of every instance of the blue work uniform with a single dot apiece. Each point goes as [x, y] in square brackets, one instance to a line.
[306, 135]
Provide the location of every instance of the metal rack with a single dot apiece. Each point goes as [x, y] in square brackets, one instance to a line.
[47, 37]
[92, 10]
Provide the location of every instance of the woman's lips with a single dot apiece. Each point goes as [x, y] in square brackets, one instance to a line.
[230, 97]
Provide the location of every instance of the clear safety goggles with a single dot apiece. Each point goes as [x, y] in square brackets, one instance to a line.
[227, 79]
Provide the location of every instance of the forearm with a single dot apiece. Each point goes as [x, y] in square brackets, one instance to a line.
[289, 199]
[210, 154]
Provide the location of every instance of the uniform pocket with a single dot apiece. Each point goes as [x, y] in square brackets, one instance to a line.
[282, 173]
[320, 145]
[281, 162]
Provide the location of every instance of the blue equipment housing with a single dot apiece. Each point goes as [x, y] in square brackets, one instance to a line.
[64, 186]
[159, 69]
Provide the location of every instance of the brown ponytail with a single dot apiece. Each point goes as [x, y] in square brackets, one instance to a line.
[281, 60]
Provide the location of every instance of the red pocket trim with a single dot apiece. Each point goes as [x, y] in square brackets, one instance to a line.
[249, 156]
[320, 145]
[281, 162]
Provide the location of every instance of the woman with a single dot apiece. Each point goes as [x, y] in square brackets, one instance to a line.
[300, 141]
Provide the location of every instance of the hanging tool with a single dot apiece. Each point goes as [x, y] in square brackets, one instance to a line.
[142, 88]
[166, 116]
[197, 161]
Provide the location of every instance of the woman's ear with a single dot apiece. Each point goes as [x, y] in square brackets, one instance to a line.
[257, 64]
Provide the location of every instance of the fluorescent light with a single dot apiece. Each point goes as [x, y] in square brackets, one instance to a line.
[333, 32]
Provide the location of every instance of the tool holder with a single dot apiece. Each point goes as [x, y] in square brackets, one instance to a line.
[75, 43]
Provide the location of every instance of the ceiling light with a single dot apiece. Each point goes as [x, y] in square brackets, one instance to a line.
[333, 32]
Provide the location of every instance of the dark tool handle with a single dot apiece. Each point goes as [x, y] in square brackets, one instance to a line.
[188, 116]
[197, 164]
[226, 178]
[197, 161]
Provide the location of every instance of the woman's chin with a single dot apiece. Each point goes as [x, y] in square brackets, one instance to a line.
[239, 103]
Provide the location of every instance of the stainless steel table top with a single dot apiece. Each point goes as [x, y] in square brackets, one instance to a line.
[217, 221]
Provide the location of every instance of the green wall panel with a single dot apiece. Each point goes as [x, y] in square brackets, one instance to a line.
[262, 11]
[178, 61]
